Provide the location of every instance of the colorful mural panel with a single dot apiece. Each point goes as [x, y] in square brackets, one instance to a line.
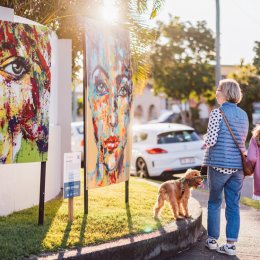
[25, 80]
[109, 96]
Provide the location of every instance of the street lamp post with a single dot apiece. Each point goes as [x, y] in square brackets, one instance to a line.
[217, 45]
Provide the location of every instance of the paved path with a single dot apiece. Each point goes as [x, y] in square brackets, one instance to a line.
[249, 238]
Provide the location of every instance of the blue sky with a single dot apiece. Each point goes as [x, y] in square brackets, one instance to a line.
[239, 27]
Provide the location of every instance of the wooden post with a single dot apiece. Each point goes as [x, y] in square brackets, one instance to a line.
[70, 209]
[42, 194]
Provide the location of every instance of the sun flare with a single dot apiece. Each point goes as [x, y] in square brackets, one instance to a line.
[109, 11]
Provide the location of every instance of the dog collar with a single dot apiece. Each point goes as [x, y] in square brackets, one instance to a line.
[182, 180]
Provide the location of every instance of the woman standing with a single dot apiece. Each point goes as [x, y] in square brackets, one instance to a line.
[225, 170]
[253, 157]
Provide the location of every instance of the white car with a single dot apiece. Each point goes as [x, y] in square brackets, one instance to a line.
[167, 117]
[163, 148]
[77, 138]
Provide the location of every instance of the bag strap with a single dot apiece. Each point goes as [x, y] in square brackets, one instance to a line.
[228, 126]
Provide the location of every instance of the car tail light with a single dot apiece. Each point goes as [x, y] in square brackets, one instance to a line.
[156, 151]
[82, 142]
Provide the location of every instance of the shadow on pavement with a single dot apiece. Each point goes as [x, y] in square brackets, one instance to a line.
[198, 251]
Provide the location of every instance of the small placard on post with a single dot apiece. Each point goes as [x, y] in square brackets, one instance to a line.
[71, 186]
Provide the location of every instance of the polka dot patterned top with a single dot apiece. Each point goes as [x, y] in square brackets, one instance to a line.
[212, 135]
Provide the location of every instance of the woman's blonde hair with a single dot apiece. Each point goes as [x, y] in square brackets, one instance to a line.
[231, 90]
[256, 131]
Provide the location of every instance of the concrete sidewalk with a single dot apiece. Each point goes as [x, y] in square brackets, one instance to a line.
[249, 237]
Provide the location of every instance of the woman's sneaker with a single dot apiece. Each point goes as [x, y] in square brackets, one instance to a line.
[211, 244]
[227, 249]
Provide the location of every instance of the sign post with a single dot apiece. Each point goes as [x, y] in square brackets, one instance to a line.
[70, 209]
[126, 192]
[42, 194]
[85, 120]
[71, 185]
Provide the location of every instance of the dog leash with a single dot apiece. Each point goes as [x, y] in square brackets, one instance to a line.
[182, 180]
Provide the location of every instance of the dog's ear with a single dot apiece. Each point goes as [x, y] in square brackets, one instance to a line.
[188, 171]
[186, 174]
[189, 174]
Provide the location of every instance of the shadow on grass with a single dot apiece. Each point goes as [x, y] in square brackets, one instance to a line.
[65, 239]
[83, 227]
[20, 235]
[160, 226]
[82, 232]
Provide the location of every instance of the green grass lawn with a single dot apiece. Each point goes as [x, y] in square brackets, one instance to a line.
[109, 218]
[251, 203]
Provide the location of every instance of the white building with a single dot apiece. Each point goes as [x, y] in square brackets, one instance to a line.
[147, 106]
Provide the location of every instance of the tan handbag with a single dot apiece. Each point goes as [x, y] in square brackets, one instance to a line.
[247, 167]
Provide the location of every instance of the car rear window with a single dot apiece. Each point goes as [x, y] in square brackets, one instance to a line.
[177, 137]
[139, 137]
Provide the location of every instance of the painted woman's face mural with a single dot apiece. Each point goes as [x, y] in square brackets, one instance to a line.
[109, 99]
[25, 56]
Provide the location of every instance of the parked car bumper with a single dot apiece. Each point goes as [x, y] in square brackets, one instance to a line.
[157, 167]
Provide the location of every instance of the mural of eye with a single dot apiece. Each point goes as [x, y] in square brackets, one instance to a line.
[101, 88]
[123, 90]
[16, 67]
[25, 69]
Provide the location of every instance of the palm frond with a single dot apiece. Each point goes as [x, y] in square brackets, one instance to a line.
[142, 37]
[157, 5]
[62, 16]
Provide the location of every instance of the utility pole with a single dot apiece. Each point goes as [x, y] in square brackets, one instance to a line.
[217, 45]
[74, 103]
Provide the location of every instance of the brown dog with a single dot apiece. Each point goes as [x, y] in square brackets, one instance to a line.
[177, 193]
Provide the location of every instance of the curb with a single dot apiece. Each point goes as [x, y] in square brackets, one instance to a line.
[167, 241]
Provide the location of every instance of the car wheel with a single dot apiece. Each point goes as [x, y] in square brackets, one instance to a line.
[141, 168]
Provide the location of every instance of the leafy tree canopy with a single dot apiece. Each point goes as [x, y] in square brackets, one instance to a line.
[256, 61]
[249, 81]
[182, 60]
[248, 77]
[66, 17]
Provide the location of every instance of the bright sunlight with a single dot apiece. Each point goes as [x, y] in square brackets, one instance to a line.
[109, 11]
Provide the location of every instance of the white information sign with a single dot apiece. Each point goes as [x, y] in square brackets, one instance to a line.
[71, 186]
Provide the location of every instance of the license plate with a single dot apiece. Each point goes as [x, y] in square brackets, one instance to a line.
[187, 160]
